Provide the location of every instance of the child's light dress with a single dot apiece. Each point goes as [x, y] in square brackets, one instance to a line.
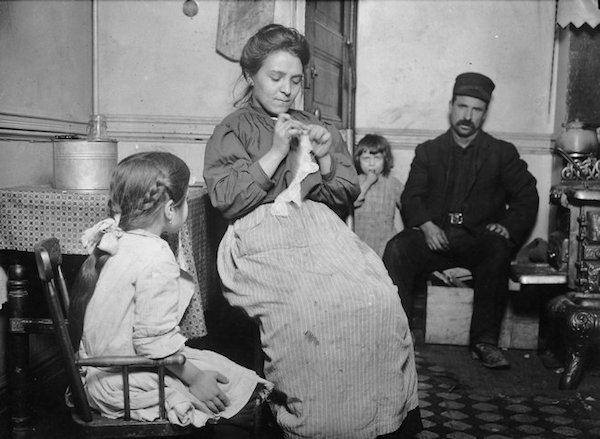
[138, 302]
[374, 220]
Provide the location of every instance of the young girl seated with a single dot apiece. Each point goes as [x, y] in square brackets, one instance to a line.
[379, 200]
[130, 296]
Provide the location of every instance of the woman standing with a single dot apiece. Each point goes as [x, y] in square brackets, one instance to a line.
[334, 334]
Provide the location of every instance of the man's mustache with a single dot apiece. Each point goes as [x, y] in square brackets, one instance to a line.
[466, 123]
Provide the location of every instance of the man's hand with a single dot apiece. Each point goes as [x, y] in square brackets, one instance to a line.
[499, 229]
[435, 237]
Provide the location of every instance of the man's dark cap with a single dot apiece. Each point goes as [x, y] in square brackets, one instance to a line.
[475, 85]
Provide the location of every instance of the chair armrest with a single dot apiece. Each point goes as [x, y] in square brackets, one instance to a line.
[133, 361]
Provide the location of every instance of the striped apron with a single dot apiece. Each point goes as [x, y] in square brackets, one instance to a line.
[336, 339]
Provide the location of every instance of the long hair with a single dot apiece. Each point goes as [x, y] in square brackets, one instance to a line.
[374, 143]
[141, 185]
[267, 40]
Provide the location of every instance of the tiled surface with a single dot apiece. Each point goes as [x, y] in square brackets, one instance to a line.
[453, 409]
[460, 399]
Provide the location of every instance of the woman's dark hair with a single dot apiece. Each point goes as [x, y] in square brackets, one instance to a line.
[141, 184]
[374, 143]
[269, 39]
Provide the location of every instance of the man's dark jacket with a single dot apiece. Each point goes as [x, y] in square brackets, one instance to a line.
[500, 189]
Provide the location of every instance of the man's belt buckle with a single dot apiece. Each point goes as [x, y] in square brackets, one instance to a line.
[456, 218]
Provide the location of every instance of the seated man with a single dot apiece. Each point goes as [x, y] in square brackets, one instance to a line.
[469, 201]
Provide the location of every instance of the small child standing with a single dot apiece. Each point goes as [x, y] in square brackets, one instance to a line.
[379, 200]
[130, 296]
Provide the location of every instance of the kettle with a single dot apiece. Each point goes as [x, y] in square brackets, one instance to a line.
[577, 139]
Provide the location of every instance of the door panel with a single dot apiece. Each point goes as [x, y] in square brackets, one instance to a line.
[328, 93]
[330, 28]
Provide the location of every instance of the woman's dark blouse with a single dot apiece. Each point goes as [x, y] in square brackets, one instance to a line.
[236, 182]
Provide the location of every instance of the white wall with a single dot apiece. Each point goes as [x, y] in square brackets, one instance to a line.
[409, 53]
[46, 58]
[416, 48]
[154, 60]
[162, 84]
[45, 82]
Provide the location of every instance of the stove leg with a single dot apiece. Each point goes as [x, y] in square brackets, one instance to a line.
[577, 356]
[580, 326]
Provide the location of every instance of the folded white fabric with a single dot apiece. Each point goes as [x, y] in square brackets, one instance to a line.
[304, 164]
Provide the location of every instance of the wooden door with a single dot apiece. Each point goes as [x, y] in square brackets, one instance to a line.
[330, 28]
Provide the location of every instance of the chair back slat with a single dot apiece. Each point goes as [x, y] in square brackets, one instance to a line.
[162, 413]
[52, 246]
[46, 272]
[62, 291]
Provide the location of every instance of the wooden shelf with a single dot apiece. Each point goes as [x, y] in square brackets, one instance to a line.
[537, 274]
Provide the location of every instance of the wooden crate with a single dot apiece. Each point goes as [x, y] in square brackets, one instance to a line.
[448, 319]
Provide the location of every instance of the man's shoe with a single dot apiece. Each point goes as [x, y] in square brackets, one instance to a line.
[490, 356]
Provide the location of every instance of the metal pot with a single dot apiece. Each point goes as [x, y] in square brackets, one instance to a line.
[576, 139]
[83, 164]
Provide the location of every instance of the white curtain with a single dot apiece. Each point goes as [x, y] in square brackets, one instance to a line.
[578, 13]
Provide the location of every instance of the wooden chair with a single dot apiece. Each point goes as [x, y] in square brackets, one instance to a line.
[49, 260]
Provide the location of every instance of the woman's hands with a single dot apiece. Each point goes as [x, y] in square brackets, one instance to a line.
[320, 138]
[285, 129]
[205, 387]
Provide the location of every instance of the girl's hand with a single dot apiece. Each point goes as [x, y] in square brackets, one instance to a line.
[205, 387]
[371, 178]
[359, 202]
[285, 129]
[365, 181]
[320, 138]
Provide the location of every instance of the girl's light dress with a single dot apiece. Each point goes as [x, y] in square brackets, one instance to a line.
[333, 330]
[138, 302]
[374, 220]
